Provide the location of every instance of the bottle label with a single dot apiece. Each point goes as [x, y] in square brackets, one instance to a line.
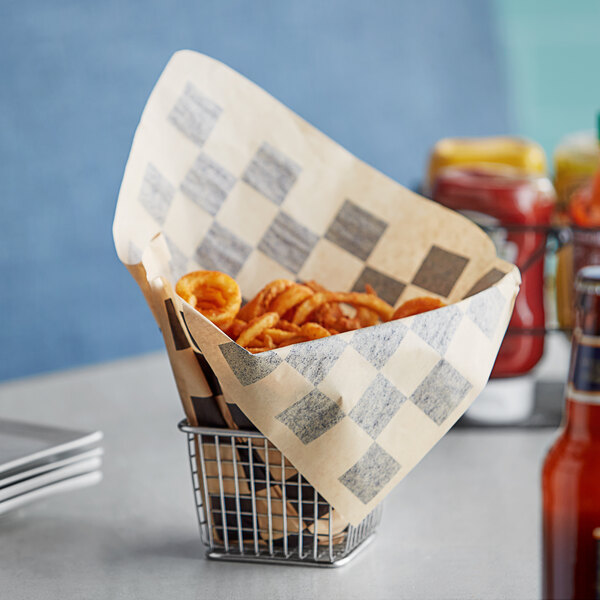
[586, 370]
[584, 382]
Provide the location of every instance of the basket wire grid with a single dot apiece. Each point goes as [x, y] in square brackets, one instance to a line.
[250, 510]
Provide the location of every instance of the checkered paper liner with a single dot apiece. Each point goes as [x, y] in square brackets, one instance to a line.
[274, 490]
[222, 176]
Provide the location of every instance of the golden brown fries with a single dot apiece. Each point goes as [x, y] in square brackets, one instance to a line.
[256, 327]
[216, 295]
[291, 297]
[285, 313]
[416, 306]
[258, 305]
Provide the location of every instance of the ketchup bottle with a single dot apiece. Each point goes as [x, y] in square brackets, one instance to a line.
[500, 196]
[571, 472]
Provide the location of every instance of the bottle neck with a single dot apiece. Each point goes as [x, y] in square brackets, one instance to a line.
[582, 411]
[582, 421]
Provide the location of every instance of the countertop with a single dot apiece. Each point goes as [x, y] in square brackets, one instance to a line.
[463, 524]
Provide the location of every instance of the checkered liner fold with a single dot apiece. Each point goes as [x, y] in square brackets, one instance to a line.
[222, 176]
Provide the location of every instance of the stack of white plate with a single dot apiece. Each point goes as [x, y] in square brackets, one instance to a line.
[37, 461]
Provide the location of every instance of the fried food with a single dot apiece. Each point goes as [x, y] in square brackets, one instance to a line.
[258, 305]
[212, 293]
[416, 306]
[284, 313]
[280, 335]
[375, 303]
[257, 326]
[289, 298]
[314, 331]
[288, 326]
[234, 330]
[258, 349]
[332, 317]
[366, 317]
[308, 306]
[265, 340]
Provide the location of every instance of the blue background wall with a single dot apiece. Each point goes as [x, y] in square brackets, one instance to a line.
[551, 50]
[385, 79]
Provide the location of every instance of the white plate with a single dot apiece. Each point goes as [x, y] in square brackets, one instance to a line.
[77, 468]
[60, 486]
[27, 444]
[49, 466]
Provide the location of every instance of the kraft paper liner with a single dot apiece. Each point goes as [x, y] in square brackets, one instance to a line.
[233, 180]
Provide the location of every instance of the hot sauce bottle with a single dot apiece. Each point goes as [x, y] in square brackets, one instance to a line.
[576, 162]
[571, 472]
[584, 215]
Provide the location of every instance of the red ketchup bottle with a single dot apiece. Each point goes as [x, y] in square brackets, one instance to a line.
[499, 196]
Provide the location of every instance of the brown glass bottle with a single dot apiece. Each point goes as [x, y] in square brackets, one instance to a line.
[571, 472]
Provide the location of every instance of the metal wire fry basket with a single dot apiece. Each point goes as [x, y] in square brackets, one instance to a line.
[254, 506]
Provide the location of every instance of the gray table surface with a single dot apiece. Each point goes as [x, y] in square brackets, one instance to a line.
[464, 523]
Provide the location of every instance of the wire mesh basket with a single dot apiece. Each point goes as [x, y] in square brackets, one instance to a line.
[254, 506]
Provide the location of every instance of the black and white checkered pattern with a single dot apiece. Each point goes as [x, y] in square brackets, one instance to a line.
[156, 194]
[194, 114]
[316, 413]
[268, 208]
[282, 238]
[356, 231]
[271, 173]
